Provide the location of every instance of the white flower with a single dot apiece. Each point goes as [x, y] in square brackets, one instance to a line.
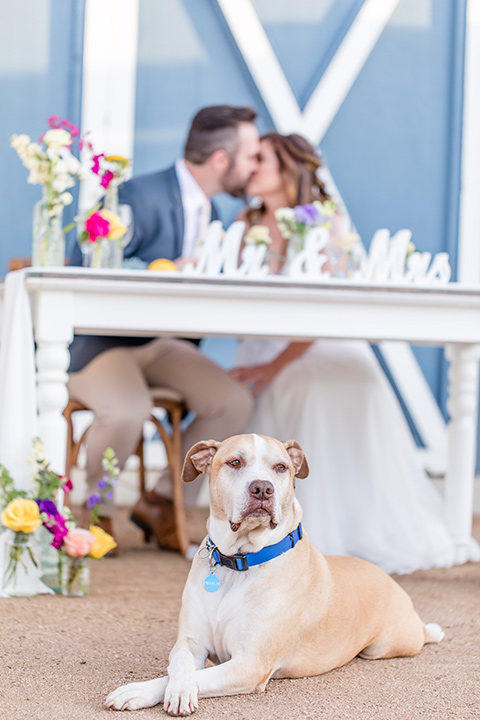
[84, 171]
[57, 138]
[35, 150]
[410, 249]
[346, 241]
[62, 183]
[327, 208]
[70, 162]
[66, 198]
[39, 173]
[258, 234]
[19, 142]
[285, 215]
[55, 209]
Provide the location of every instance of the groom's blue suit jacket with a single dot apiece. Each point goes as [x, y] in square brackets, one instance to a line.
[158, 227]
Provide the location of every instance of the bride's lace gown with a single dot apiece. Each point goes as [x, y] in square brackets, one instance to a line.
[366, 494]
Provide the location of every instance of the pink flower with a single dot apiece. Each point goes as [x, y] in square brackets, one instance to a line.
[78, 542]
[97, 226]
[72, 129]
[67, 485]
[107, 178]
[96, 163]
[54, 121]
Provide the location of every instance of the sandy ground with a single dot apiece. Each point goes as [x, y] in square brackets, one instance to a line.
[59, 657]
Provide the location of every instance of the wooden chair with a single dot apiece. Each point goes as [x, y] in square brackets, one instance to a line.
[18, 263]
[173, 404]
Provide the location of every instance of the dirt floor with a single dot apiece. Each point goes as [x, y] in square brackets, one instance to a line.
[59, 657]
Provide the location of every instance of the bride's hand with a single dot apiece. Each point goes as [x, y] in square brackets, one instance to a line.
[255, 377]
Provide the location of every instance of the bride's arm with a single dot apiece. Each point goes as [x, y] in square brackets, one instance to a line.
[257, 377]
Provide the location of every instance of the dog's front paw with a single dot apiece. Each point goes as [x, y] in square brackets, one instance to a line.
[181, 697]
[135, 696]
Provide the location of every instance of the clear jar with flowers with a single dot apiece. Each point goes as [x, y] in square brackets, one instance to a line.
[295, 224]
[104, 232]
[24, 514]
[22, 518]
[101, 240]
[52, 165]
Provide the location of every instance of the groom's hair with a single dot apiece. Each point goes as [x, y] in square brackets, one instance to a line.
[215, 128]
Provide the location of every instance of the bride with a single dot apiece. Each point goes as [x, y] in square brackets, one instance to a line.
[366, 495]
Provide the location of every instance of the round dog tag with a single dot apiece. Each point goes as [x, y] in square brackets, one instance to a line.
[211, 583]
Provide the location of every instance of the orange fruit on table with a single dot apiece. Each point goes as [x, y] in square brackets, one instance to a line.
[163, 265]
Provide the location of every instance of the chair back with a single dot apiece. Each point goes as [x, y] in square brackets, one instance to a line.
[18, 263]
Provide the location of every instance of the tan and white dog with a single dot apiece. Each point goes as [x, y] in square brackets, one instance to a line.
[293, 612]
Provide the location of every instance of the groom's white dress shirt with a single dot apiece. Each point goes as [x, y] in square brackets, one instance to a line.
[197, 208]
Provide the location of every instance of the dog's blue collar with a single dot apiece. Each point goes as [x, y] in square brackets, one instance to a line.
[243, 561]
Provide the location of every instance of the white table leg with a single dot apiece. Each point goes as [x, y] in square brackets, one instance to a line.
[53, 333]
[462, 442]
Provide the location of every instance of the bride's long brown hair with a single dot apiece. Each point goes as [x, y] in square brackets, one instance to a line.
[299, 165]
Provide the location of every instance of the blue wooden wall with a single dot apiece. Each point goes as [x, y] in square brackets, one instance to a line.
[393, 148]
[40, 75]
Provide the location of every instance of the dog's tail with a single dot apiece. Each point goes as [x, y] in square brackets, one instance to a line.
[433, 633]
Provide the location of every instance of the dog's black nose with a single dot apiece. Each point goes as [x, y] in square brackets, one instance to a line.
[261, 489]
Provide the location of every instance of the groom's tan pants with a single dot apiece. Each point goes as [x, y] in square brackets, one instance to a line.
[115, 385]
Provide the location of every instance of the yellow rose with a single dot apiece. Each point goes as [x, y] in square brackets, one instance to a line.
[117, 228]
[21, 515]
[103, 542]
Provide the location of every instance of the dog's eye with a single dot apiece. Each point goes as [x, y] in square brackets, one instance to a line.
[234, 463]
[281, 467]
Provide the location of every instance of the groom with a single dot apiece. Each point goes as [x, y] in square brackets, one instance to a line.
[111, 375]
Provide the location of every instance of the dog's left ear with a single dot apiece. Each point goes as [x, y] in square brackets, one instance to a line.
[297, 456]
[198, 459]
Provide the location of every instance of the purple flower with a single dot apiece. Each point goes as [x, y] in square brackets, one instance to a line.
[306, 214]
[110, 495]
[103, 483]
[48, 507]
[93, 500]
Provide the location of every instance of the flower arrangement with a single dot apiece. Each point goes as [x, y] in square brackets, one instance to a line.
[111, 169]
[102, 229]
[101, 239]
[297, 221]
[98, 501]
[102, 224]
[51, 162]
[258, 235]
[23, 515]
[79, 543]
[52, 165]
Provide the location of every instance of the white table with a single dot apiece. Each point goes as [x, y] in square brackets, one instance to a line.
[125, 302]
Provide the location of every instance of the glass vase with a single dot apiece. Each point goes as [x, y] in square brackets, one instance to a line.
[102, 254]
[110, 199]
[21, 566]
[74, 576]
[295, 245]
[49, 559]
[48, 248]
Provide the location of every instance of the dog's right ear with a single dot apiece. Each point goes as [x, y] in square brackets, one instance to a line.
[198, 459]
